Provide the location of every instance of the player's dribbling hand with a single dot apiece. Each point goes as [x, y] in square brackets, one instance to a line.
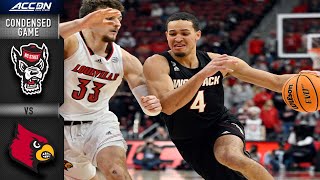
[151, 103]
[99, 18]
[317, 73]
[219, 63]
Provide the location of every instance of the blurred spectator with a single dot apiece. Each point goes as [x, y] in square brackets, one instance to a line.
[261, 63]
[131, 4]
[278, 102]
[158, 27]
[315, 26]
[271, 46]
[161, 134]
[147, 121]
[232, 19]
[309, 119]
[271, 161]
[145, 8]
[144, 48]
[254, 129]
[289, 67]
[241, 92]
[280, 153]
[274, 159]
[227, 94]
[317, 162]
[151, 154]
[186, 7]
[213, 26]
[249, 103]
[159, 46]
[254, 153]
[127, 41]
[228, 41]
[256, 47]
[302, 7]
[157, 10]
[218, 47]
[171, 8]
[302, 148]
[202, 42]
[292, 42]
[124, 126]
[261, 96]
[314, 6]
[276, 66]
[242, 113]
[248, 12]
[148, 25]
[288, 117]
[270, 119]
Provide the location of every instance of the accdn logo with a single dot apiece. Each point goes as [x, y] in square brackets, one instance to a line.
[32, 6]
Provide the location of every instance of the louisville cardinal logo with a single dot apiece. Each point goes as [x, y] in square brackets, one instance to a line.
[31, 65]
[29, 149]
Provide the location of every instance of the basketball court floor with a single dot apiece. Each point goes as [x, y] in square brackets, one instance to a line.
[171, 174]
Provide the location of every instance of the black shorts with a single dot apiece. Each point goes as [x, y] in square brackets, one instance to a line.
[198, 152]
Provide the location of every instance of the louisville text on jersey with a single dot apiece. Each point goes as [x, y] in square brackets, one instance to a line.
[89, 71]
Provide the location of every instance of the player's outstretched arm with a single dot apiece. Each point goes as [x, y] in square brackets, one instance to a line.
[258, 77]
[317, 73]
[97, 18]
[156, 70]
[133, 73]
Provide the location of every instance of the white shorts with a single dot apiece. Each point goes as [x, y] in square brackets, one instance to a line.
[82, 142]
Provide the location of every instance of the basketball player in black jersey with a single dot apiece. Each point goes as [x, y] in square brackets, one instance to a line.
[188, 83]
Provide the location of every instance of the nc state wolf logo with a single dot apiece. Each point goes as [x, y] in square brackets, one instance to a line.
[29, 149]
[31, 65]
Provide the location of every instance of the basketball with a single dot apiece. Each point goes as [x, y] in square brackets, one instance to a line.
[302, 92]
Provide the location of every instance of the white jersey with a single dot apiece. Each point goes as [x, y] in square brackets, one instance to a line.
[90, 81]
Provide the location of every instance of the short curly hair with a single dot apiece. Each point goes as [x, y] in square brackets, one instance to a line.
[88, 6]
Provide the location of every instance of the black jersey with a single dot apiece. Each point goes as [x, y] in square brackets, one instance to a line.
[204, 110]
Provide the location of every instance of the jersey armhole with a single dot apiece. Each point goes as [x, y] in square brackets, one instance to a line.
[171, 70]
[118, 49]
[167, 56]
[77, 51]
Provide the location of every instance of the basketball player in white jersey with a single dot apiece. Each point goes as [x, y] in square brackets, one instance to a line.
[94, 68]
